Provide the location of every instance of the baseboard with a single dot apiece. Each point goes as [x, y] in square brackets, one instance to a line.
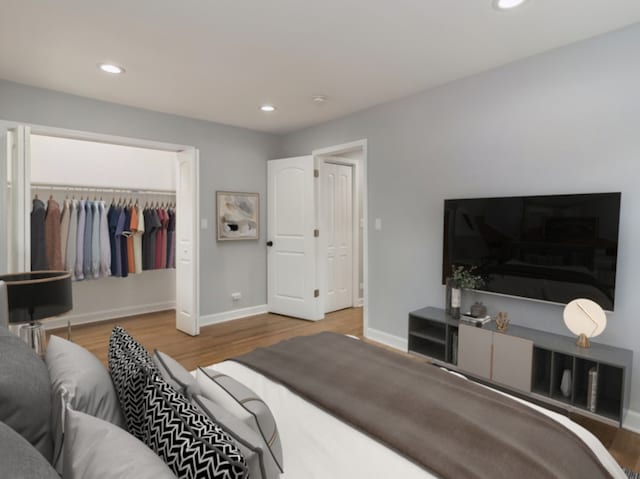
[61, 321]
[390, 340]
[216, 318]
[632, 421]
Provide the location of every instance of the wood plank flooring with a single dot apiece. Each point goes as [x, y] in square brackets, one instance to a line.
[221, 341]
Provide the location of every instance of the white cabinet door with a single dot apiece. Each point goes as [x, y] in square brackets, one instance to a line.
[474, 350]
[512, 361]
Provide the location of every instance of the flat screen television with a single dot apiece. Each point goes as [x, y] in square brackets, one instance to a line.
[552, 248]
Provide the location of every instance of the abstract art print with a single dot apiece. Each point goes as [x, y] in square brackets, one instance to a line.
[238, 215]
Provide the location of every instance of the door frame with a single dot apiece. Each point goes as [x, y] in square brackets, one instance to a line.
[134, 142]
[321, 156]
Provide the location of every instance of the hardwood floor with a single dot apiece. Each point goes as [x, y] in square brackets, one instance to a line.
[221, 341]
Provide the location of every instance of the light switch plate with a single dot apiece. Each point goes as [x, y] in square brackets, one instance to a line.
[377, 224]
[204, 223]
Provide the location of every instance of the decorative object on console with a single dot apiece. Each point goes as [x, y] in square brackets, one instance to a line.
[238, 216]
[37, 295]
[461, 278]
[592, 389]
[4, 307]
[584, 318]
[565, 383]
[502, 322]
[478, 310]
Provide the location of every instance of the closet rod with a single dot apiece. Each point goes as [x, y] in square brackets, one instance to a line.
[130, 191]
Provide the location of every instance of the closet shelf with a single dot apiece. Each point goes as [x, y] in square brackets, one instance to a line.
[101, 189]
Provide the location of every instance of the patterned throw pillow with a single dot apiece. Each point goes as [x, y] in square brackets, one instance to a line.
[243, 403]
[187, 440]
[129, 364]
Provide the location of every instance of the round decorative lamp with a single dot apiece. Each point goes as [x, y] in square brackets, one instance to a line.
[584, 318]
[36, 295]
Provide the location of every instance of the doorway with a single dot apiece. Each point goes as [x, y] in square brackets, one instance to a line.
[15, 176]
[307, 256]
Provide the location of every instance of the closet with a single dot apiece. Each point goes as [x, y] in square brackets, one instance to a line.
[121, 271]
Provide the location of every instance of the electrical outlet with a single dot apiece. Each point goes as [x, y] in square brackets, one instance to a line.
[236, 296]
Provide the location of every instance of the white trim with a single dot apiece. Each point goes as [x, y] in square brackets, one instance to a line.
[632, 421]
[359, 303]
[115, 313]
[216, 318]
[390, 340]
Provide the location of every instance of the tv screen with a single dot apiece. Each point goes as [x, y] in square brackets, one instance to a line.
[553, 248]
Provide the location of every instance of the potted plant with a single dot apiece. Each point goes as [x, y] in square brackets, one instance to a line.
[461, 278]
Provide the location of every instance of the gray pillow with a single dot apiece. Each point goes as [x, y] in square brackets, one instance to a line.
[78, 379]
[177, 376]
[19, 459]
[252, 446]
[25, 393]
[243, 403]
[94, 448]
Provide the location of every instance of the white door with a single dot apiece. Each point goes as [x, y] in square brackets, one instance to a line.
[292, 287]
[337, 195]
[187, 261]
[15, 192]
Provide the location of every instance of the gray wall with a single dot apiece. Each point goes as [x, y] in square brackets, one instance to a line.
[562, 122]
[230, 159]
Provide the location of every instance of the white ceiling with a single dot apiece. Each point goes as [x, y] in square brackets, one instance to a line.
[219, 60]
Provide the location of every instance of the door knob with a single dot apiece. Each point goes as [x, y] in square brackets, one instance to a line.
[269, 243]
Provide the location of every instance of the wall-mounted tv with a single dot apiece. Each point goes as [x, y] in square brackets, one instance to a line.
[552, 248]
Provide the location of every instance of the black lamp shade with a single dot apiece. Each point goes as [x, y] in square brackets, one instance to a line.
[37, 295]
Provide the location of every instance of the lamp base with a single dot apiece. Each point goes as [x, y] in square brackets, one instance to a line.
[583, 341]
[35, 336]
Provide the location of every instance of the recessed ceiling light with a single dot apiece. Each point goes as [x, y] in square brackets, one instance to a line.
[507, 4]
[268, 108]
[111, 68]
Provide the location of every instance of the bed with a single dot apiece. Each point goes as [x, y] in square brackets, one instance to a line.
[319, 445]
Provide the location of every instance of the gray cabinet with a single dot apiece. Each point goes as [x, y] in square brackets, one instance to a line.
[474, 350]
[512, 361]
[503, 359]
[529, 362]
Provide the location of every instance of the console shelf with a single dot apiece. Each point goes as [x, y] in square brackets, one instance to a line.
[435, 335]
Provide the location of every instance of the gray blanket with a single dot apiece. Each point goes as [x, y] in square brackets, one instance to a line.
[452, 427]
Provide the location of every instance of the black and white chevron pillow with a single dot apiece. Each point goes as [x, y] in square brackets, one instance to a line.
[129, 364]
[188, 441]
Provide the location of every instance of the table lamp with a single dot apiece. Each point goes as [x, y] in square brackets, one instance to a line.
[36, 295]
[584, 318]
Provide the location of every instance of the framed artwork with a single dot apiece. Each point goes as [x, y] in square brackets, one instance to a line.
[238, 215]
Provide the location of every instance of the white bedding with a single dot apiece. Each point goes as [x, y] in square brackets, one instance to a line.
[318, 446]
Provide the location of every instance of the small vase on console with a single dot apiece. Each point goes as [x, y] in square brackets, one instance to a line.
[456, 300]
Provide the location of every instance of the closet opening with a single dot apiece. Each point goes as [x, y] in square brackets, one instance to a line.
[120, 214]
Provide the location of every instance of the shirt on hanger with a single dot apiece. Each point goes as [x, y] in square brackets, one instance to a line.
[133, 227]
[122, 232]
[112, 218]
[137, 240]
[88, 235]
[95, 240]
[105, 242]
[64, 232]
[38, 241]
[82, 214]
[52, 235]
[70, 259]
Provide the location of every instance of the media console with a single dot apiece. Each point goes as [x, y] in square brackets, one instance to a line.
[528, 362]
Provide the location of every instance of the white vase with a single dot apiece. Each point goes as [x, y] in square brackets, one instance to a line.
[565, 383]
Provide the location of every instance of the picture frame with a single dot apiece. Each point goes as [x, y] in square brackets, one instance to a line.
[237, 216]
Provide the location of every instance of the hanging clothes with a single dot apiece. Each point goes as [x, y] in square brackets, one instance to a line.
[88, 235]
[70, 258]
[52, 235]
[161, 244]
[82, 215]
[105, 242]
[170, 228]
[38, 239]
[133, 227]
[64, 232]
[137, 240]
[95, 241]
[112, 217]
